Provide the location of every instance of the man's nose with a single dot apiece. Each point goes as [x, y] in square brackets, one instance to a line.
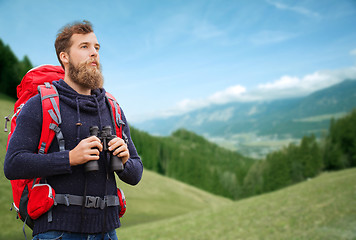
[93, 52]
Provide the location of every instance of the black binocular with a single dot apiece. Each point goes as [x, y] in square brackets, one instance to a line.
[105, 137]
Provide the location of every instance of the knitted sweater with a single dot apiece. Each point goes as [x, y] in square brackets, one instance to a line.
[22, 160]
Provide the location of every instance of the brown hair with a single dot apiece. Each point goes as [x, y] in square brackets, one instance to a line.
[63, 43]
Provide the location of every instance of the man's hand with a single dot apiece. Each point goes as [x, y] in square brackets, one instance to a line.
[120, 149]
[87, 150]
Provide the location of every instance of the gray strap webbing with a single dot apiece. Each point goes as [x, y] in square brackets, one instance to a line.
[59, 135]
[118, 120]
[116, 114]
[49, 96]
[125, 137]
[53, 116]
[90, 201]
[42, 149]
[56, 109]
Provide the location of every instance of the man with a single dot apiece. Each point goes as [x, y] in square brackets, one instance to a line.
[82, 105]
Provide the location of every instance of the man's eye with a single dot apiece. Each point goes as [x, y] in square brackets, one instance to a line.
[84, 46]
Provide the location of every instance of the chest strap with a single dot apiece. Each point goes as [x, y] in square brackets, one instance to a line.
[88, 201]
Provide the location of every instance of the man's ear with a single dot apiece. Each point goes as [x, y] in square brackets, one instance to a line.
[64, 58]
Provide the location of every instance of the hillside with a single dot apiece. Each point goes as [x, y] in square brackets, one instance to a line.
[321, 208]
[157, 197]
[154, 198]
[162, 208]
[187, 157]
[192, 159]
[262, 117]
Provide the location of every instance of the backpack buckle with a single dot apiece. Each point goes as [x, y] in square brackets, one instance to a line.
[92, 202]
[7, 119]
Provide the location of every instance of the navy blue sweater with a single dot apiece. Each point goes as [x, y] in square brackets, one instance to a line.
[22, 160]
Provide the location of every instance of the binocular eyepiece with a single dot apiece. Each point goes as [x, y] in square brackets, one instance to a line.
[105, 137]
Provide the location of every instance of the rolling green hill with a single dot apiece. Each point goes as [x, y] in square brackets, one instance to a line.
[192, 159]
[162, 208]
[187, 157]
[154, 198]
[157, 198]
[321, 208]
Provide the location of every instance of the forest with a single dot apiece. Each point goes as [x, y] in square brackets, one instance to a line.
[190, 158]
[11, 70]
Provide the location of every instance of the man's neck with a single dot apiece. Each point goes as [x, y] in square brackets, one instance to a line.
[78, 88]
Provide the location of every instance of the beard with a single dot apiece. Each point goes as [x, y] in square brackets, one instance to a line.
[86, 76]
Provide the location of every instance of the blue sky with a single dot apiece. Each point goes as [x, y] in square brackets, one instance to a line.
[164, 57]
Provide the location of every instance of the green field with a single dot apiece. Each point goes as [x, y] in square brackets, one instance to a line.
[324, 117]
[162, 208]
[154, 198]
[157, 198]
[321, 208]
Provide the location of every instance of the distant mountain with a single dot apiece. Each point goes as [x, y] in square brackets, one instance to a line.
[246, 122]
[295, 117]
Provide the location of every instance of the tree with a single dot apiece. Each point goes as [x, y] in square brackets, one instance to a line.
[311, 159]
[11, 70]
[340, 144]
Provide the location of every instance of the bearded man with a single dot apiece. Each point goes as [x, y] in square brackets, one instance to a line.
[82, 105]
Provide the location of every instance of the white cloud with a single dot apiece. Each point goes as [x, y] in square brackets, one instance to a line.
[291, 86]
[188, 104]
[228, 95]
[284, 87]
[282, 83]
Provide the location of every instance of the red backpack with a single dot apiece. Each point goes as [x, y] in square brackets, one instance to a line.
[32, 198]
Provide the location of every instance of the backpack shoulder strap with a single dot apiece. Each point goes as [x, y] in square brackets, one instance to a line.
[116, 116]
[51, 118]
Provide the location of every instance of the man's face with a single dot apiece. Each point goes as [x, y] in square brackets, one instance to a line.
[84, 67]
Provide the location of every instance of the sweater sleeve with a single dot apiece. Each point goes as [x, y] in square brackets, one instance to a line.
[22, 160]
[132, 173]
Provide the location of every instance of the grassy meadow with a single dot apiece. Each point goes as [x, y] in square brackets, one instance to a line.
[161, 208]
[321, 208]
[157, 198]
[154, 198]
